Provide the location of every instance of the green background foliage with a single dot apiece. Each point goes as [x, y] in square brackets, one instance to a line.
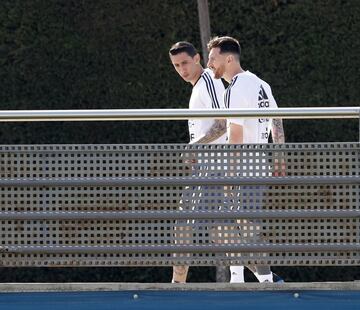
[110, 54]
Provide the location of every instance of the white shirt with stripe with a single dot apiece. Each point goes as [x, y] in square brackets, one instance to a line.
[246, 90]
[207, 93]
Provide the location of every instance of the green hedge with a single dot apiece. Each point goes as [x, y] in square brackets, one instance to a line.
[113, 54]
[93, 54]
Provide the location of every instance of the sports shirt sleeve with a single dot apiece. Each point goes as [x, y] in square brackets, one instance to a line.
[236, 97]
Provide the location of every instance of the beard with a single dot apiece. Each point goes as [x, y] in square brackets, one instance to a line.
[218, 73]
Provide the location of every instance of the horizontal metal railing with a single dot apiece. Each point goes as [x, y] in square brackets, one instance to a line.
[179, 181]
[178, 215]
[213, 248]
[175, 114]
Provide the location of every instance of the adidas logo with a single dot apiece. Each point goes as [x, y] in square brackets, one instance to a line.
[263, 99]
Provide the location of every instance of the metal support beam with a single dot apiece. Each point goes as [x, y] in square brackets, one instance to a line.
[180, 215]
[180, 181]
[213, 248]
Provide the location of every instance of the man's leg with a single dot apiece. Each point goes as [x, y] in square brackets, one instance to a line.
[180, 271]
[179, 274]
[237, 274]
[182, 233]
[262, 273]
[222, 236]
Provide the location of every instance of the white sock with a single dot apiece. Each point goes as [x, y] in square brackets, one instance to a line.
[237, 274]
[264, 277]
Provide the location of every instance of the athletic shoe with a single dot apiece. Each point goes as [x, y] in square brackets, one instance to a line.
[277, 279]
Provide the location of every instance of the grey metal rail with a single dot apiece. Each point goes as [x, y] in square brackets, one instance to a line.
[213, 248]
[178, 215]
[175, 114]
[176, 148]
[179, 181]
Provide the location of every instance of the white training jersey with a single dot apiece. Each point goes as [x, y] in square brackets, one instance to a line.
[246, 90]
[207, 93]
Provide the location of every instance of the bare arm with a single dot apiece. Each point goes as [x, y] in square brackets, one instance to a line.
[278, 137]
[236, 134]
[215, 131]
[278, 134]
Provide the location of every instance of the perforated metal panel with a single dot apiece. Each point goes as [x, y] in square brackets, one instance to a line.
[102, 205]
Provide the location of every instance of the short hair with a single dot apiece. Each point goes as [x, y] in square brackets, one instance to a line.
[183, 47]
[226, 45]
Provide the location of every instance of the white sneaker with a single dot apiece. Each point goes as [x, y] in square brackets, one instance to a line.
[237, 274]
[264, 278]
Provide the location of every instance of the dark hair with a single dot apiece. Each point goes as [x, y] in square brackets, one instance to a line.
[226, 45]
[183, 47]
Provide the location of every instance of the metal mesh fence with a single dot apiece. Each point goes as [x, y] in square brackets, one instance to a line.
[139, 205]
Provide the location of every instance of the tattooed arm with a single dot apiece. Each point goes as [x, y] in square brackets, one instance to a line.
[278, 135]
[215, 131]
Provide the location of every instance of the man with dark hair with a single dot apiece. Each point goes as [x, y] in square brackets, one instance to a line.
[245, 90]
[206, 93]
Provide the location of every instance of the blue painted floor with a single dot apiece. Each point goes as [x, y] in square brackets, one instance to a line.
[169, 300]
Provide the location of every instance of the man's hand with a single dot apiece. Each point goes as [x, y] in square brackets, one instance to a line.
[189, 157]
[279, 167]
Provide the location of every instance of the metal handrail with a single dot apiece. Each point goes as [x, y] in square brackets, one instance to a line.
[175, 114]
